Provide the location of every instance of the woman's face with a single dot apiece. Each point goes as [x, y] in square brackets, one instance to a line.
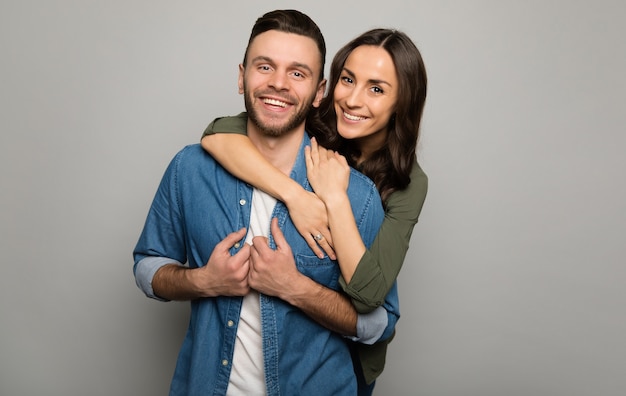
[365, 96]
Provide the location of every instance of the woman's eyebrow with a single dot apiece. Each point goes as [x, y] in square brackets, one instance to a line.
[371, 80]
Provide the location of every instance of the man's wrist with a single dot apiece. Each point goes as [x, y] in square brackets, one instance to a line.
[301, 291]
[198, 279]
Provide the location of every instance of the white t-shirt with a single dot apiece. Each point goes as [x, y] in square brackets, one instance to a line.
[247, 376]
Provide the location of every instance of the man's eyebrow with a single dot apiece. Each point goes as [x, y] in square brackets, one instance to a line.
[371, 80]
[263, 58]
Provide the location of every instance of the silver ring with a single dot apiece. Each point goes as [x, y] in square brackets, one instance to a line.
[319, 237]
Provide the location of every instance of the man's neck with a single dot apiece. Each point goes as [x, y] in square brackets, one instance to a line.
[280, 151]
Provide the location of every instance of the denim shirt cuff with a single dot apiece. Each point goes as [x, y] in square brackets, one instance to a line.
[145, 270]
[370, 327]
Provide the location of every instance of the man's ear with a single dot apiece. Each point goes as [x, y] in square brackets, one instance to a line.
[242, 70]
[319, 95]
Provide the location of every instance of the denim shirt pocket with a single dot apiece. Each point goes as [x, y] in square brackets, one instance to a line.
[324, 271]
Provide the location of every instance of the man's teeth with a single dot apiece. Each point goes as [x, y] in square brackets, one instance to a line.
[275, 102]
[352, 117]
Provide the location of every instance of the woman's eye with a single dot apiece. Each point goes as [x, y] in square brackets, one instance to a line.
[377, 90]
[347, 80]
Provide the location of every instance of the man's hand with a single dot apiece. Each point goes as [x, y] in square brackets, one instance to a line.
[273, 272]
[225, 275]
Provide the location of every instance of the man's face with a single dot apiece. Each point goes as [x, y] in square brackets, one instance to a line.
[281, 81]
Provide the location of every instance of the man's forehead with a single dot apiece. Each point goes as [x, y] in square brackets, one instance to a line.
[286, 47]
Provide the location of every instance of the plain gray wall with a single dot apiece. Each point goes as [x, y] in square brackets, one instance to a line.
[514, 283]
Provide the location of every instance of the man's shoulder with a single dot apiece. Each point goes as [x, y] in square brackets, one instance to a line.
[366, 205]
[190, 161]
[362, 192]
[192, 154]
[191, 151]
[357, 179]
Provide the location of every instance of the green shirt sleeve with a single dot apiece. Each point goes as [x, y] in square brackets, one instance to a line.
[380, 265]
[230, 124]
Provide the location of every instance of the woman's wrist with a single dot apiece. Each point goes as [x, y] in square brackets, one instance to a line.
[290, 192]
[336, 200]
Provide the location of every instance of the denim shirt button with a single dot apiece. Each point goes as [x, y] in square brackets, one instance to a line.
[224, 362]
[231, 323]
[242, 202]
[237, 245]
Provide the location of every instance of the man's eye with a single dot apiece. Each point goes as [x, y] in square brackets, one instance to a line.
[301, 75]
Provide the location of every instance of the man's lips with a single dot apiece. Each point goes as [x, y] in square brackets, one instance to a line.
[274, 102]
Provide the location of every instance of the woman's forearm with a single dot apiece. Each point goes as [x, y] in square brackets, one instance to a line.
[238, 155]
[349, 246]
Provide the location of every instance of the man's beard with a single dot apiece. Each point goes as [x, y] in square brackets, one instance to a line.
[276, 130]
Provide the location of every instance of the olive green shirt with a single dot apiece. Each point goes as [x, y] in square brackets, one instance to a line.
[379, 267]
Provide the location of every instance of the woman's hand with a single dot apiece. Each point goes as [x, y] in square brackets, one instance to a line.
[308, 214]
[327, 171]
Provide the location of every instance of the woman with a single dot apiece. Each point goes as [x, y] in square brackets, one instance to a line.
[372, 117]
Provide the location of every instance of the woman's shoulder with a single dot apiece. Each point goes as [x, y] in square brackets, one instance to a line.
[418, 174]
[418, 186]
[229, 124]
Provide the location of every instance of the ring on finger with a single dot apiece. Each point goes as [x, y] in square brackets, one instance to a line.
[319, 237]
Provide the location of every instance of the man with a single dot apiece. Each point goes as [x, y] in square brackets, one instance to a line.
[260, 323]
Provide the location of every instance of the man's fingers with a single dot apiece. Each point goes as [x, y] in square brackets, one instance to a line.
[243, 254]
[232, 239]
[259, 245]
[279, 238]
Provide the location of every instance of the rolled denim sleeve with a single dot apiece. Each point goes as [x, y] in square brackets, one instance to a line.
[145, 270]
[370, 327]
[380, 324]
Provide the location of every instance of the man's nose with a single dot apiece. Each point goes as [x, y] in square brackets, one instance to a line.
[279, 81]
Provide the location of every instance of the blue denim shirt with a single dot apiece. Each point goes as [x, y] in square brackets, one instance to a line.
[197, 204]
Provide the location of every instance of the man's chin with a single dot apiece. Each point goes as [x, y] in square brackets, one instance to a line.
[274, 127]
[274, 131]
[277, 123]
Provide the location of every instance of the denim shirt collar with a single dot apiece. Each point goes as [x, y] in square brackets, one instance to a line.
[298, 171]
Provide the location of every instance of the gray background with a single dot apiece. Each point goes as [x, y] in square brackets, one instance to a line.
[514, 284]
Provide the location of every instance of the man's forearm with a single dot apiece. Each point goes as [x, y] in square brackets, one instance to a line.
[327, 307]
[174, 282]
